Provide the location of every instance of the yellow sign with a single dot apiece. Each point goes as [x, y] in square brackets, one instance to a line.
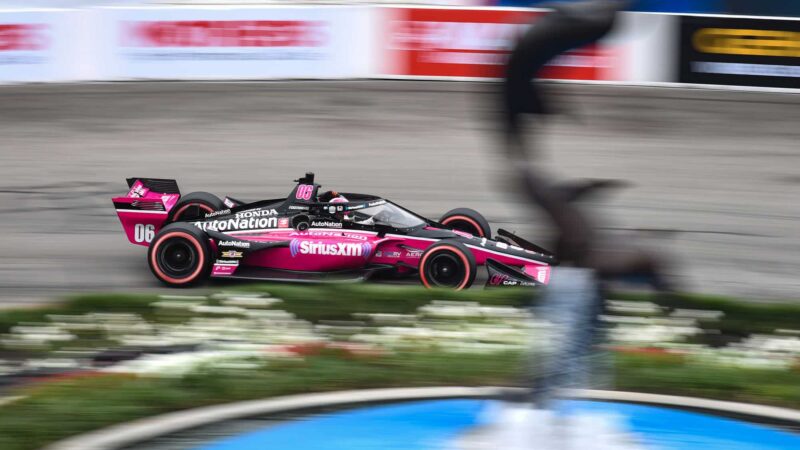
[730, 41]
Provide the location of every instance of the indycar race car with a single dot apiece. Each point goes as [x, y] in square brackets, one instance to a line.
[312, 236]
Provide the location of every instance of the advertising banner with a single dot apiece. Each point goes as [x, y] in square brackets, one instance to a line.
[236, 43]
[472, 43]
[36, 45]
[740, 51]
[328, 42]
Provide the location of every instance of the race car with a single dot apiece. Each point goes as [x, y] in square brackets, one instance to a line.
[318, 236]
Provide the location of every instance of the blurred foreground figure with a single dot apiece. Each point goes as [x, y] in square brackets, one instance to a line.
[573, 300]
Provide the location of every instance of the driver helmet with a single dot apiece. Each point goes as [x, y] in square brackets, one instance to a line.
[341, 215]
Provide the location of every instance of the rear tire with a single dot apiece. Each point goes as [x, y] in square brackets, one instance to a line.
[468, 221]
[194, 206]
[447, 264]
[179, 255]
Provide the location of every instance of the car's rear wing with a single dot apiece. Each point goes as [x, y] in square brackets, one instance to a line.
[161, 185]
[145, 208]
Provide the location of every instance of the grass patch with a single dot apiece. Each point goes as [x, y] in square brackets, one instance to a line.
[308, 302]
[741, 318]
[340, 301]
[675, 375]
[80, 304]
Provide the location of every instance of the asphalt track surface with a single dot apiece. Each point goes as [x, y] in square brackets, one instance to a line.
[715, 175]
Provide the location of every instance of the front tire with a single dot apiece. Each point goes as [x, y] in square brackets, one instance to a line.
[447, 264]
[195, 206]
[179, 255]
[468, 221]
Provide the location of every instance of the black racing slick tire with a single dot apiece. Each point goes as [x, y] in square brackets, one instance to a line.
[468, 221]
[179, 255]
[447, 264]
[195, 205]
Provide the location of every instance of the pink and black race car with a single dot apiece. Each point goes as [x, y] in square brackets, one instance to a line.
[312, 236]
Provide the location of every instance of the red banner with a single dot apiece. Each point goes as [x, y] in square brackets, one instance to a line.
[225, 33]
[23, 37]
[473, 43]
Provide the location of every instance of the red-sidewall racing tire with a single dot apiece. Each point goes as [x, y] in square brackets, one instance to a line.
[468, 221]
[447, 264]
[179, 255]
[194, 205]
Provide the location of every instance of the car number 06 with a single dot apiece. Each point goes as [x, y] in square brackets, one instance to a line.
[304, 192]
[143, 233]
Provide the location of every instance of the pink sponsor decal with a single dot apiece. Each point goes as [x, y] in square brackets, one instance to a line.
[325, 248]
[541, 273]
[304, 192]
[138, 190]
[223, 270]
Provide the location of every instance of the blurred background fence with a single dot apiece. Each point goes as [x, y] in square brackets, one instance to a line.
[72, 41]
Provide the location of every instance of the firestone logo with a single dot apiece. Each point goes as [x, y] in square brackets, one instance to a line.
[297, 246]
[225, 33]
